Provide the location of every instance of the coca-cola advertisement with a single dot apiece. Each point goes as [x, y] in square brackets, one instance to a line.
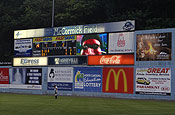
[111, 60]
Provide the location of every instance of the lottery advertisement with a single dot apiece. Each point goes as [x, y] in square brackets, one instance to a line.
[26, 78]
[155, 81]
[88, 79]
[60, 76]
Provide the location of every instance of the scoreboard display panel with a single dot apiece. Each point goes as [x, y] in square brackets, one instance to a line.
[50, 46]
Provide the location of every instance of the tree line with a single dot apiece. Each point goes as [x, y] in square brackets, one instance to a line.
[31, 14]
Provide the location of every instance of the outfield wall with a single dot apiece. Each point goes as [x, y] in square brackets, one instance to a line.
[118, 81]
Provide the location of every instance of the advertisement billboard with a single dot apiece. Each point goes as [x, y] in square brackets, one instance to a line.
[121, 42]
[118, 80]
[23, 48]
[30, 61]
[4, 77]
[91, 44]
[111, 60]
[60, 76]
[155, 81]
[50, 46]
[152, 47]
[67, 60]
[88, 79]
[26, 78]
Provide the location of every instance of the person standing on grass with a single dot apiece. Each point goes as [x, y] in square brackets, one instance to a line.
[56, 91]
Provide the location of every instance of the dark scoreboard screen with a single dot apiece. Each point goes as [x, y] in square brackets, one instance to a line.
[50, 46]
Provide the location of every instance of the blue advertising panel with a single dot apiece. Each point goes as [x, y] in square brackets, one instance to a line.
[23, 47]
[67, 60]
[88, 79]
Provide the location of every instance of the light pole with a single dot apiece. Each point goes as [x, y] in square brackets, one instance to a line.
[53, 3]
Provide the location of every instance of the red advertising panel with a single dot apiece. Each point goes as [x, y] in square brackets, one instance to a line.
[4, 76]
[111, 60]
[118, 80]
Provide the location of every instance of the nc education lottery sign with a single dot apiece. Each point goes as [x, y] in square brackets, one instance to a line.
[60, 76]
[88, 79]
[121, 42]
[153, 81]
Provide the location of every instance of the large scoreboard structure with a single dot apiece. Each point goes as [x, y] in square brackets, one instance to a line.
[92, 39]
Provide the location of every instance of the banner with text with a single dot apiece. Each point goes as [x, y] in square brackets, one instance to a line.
[26, 78]
[121, 42]
[4, 77]
[23, 47]
[88, 79]
[60, 76]
[153, 81]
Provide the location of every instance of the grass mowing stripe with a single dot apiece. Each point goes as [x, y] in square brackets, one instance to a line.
[19, 104]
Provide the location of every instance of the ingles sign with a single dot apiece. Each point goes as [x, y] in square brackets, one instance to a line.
[67, 60]
[118, 80]
[111, 60]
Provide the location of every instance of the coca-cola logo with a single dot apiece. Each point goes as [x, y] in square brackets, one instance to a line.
[121, 40]
[110, 60]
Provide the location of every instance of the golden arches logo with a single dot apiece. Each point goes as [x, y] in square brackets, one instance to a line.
[116, 78]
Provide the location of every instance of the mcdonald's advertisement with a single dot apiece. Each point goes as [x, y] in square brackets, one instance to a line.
[154, 81]
[88, 79]
[118, 80]
[60, 76]
[4, 77]
[153, 47]
[127, 59]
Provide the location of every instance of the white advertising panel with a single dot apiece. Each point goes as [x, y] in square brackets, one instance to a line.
[23, 47]
[62, 77]
[30, 61]
[60, 74]
[153, 81]
[121, 42]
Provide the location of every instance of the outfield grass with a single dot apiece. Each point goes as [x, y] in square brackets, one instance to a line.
[19, 104]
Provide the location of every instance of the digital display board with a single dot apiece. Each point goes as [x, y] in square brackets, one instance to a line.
[92, 44]
[50, 46]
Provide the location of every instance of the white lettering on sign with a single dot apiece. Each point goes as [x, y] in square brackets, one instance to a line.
[110, 60]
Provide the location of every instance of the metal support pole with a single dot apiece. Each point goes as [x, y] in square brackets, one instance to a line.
[53, 3]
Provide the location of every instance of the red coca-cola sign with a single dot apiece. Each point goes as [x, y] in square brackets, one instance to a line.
[111, 60]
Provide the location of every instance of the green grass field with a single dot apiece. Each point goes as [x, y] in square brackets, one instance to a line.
[20, 104]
